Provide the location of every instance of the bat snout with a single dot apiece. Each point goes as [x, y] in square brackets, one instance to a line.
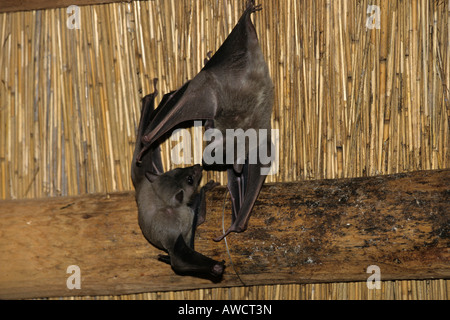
[197, 173]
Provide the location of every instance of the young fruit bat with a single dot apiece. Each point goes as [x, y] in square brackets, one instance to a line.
[232, 91]
[169, 209]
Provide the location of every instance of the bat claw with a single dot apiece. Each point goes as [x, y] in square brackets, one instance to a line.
[220, 238]
[141, 154]
[155, 82]
[252, 7]
[233, 228]
[208, 57]
[257, 8]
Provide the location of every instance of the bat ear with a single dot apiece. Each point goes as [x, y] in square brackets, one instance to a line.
[151, 176]
[179, 196]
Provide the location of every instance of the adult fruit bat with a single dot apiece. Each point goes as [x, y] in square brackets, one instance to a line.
[169, 209]
[232, 91]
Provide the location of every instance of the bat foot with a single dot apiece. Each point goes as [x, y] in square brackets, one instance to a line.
[252, 7]
[257, 8]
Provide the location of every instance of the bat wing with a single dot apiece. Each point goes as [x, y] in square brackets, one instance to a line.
[152, 160]
[195, 100]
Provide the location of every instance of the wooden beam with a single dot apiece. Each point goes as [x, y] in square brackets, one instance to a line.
[25, 5]
[307, 231]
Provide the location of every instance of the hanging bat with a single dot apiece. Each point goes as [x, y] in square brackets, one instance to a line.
[232, 91]
[169, 209]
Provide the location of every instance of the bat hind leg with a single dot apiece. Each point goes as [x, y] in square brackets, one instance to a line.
[244, 190]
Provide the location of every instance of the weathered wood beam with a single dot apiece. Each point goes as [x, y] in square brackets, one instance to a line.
[307, 231]
[25, 5]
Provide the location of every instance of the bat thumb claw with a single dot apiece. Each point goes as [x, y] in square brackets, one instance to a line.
[234, 228]
[220, 238]
[155, 82]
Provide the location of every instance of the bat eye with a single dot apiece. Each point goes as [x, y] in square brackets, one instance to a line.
[190, 180]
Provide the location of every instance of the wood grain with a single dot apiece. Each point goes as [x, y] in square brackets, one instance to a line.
[303, 232]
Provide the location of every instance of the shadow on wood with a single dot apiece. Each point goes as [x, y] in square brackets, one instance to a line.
[308, 231]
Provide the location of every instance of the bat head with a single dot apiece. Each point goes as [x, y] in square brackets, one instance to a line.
[177, 186]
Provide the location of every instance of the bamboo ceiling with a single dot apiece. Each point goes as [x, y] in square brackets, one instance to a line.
[350, 101]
